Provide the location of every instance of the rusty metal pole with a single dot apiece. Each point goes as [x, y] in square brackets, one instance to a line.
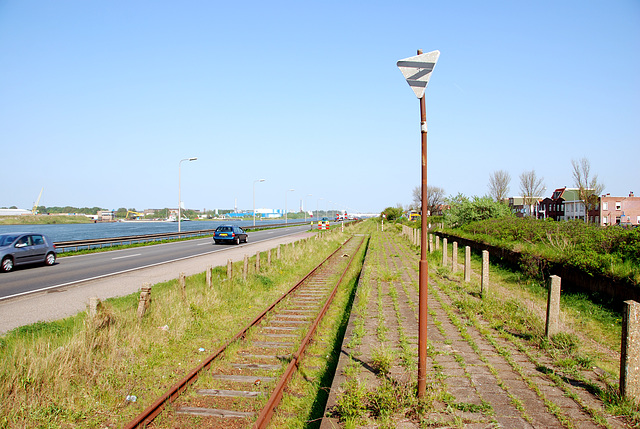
[423, 283]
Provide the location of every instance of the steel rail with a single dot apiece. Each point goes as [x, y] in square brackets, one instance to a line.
[152, 411]
[267, 412]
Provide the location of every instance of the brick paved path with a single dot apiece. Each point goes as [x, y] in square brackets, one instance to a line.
[477, 378]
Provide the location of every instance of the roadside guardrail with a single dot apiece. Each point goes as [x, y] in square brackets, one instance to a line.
[99, 243]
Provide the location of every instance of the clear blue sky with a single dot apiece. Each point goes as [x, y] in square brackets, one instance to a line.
[99, 100]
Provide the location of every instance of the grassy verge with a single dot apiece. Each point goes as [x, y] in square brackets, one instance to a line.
[78, 372]
[43, 220]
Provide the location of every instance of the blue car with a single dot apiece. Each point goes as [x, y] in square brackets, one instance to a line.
[230, 234]
[25, 248]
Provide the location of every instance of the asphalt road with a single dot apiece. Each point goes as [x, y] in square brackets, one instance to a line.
[60, 301]
[76, 269]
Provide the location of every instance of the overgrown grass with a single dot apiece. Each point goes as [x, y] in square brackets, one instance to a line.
[305, 399]
[77, 372]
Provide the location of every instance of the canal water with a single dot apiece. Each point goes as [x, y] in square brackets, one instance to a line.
[89, 231]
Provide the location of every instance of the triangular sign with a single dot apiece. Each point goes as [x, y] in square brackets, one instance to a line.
[417, 70]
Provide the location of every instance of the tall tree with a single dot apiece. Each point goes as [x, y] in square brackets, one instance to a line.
[588, 187]
[532, 188]
[499, 185]
[435, 197]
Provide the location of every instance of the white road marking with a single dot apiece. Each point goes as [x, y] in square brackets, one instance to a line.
[74, 282]
[127, 256]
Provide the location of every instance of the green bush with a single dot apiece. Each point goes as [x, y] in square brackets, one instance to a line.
[464, 210]
[611, 251]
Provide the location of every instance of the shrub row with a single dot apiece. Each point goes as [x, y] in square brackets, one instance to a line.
[611, 251]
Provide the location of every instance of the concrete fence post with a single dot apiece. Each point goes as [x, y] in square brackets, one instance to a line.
[229, 269]
[630, 351]
[278, 252]
[94, 302]
[553, 306]
[209, 276]
[182, 282]
[445, 252]
[437, 242]
[454, 257]
[430, 243]
[258, 261]
[467, 263]
[245, 267]
[268, 257]
[145, 300]
[484, 286]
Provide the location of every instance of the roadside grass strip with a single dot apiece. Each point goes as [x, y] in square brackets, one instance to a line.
[86, 372]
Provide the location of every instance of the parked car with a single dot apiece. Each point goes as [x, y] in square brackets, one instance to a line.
[25, 248]
[230, 234]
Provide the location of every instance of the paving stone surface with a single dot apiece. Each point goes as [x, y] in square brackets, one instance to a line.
[475, 377]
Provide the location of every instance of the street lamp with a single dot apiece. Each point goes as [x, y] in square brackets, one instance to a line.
[305, 207]
[285, 204]
[179, 197]
[254, 199]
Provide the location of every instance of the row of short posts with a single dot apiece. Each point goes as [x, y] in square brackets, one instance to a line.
[484, 275]
[630, 341]
[144, 300]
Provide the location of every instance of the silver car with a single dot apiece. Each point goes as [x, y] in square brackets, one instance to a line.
[25, 248]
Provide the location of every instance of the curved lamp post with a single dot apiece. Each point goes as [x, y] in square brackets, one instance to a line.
[285, 204]
[254, 199]
[179, 196]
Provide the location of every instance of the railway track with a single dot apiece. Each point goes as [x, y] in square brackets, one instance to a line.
[242, 382]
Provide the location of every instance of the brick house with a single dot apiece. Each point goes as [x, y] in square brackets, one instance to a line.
[619, 210]
[565, 204]
[552, 207]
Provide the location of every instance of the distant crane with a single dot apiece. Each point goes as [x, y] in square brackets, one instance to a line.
[34, 210]
[136, 215]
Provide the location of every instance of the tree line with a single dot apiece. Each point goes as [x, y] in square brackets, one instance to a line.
[532, 188]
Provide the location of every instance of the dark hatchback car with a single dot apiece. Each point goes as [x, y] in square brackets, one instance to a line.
[230, 234]
[25, 248]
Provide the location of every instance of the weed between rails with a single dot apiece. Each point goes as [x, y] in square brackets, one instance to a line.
[78, 372]
[304, 401]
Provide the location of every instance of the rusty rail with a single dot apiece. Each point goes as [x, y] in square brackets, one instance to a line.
[267, 412]
[151, 412]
